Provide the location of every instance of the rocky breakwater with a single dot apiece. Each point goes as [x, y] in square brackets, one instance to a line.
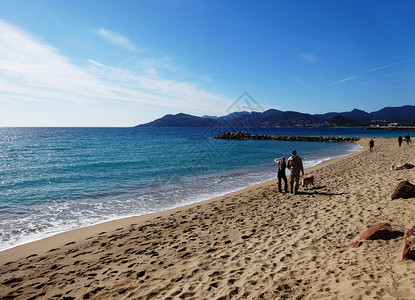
[240, 135]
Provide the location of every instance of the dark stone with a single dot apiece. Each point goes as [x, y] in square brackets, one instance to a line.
[380, 231]
[240, 135]
[409, 247]
[404, 190]
[404, 167]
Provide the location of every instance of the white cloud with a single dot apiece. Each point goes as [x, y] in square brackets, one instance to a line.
[117, 39]
[152, 88]
[31, 70]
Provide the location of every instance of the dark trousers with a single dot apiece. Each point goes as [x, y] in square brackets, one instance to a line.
[284, 177]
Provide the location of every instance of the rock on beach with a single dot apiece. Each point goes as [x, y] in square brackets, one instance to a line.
[379, 231]
[409, 248]
[404, 190]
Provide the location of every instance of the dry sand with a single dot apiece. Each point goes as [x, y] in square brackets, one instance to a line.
[252, 244]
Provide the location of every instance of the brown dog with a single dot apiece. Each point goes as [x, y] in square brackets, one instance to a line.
[307, 180]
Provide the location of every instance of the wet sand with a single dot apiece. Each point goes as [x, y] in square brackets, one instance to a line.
[252, 244]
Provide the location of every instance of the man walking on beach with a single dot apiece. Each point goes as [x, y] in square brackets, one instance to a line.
[295, 164]
[371, 144]
[408, 139]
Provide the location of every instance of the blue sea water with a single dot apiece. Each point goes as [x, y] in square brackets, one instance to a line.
[58, 179]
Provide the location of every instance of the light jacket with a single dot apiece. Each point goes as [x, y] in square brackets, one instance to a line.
[295, 164]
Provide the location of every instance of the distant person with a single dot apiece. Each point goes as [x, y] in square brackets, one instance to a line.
[407, 139]
[371, 144]
[295, 164]
[400, 139]
[281, 173]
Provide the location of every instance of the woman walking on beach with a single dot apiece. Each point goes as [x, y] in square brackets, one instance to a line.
[281, 173]
[400, 139]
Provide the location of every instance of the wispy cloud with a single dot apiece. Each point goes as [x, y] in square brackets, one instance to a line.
[305, 85]
[365, 73]
[387, 66]
[150, 87]
[117, 39]
[31, 70]
[345, 80]
[391, 77]
[308, 57]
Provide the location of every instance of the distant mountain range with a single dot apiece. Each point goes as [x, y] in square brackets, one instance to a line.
[404, 115]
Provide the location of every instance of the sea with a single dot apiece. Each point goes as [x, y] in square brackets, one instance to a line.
[54, 180]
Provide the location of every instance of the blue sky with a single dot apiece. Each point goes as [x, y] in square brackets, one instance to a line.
[122, 63]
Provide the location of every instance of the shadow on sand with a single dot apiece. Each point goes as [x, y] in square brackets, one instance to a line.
[315, 191]
[392, 235]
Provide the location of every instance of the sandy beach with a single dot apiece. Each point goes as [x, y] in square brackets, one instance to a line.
[256, 243]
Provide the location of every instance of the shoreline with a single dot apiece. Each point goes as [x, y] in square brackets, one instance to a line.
[250, 244]
[22, 250]
[222, 194]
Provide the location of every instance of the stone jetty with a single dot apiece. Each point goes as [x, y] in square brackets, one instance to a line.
[240, 135]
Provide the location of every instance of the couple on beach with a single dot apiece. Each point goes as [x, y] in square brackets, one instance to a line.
[407, 140]
[295, 165]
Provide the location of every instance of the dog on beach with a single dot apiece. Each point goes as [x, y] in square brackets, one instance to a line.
[307, 180]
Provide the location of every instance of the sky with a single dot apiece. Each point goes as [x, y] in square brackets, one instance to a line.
[110, 63]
